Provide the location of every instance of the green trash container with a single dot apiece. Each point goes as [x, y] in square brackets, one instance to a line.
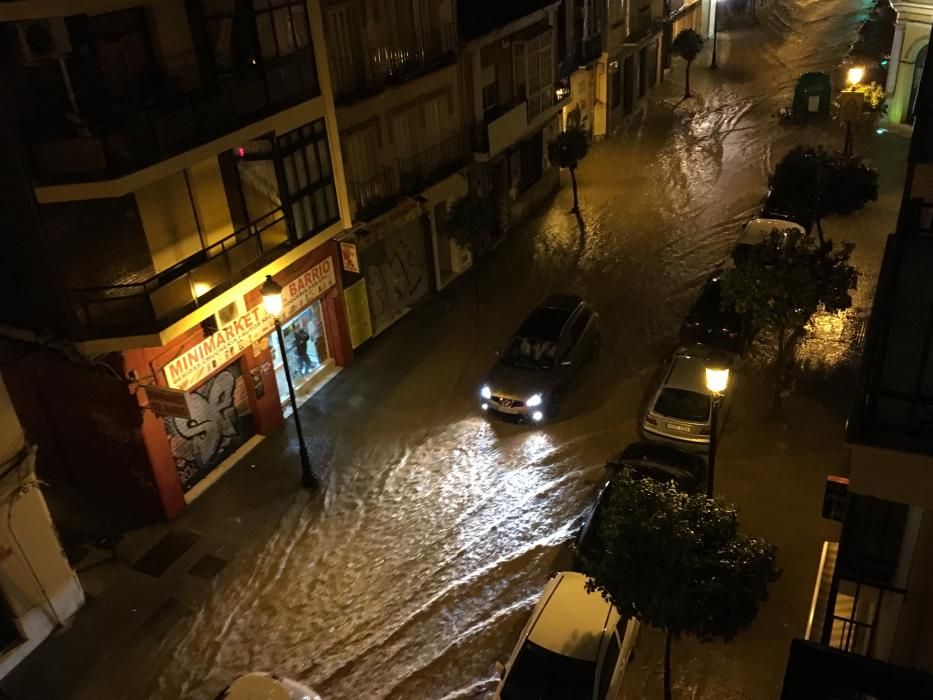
[813, 95]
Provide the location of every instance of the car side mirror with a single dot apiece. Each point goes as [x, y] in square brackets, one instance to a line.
[500, 669]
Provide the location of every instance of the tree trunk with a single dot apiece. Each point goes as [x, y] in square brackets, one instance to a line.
[779, 375]
[667, 666]
[573, 184]
[687, 85]
[819, 233]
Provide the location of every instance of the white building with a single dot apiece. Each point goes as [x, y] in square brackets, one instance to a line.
[908, 54]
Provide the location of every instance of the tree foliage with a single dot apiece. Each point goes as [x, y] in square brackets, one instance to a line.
[471, 220]
[566, 151]
[783, 281]
[678, 562]
[687, 44]
[819, 183]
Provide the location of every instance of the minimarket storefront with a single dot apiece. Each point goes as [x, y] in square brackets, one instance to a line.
[234, 380]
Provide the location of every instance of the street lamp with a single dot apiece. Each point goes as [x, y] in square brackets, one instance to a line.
[855, 75]
[713, 64]
[717, 380]
[272, 299]
[852, 106]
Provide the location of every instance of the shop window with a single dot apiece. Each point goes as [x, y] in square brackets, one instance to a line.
[307, 348]
[310, 197]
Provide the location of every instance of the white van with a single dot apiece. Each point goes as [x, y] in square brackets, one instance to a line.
[575, 645]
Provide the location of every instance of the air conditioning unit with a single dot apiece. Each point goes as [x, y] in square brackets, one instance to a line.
[43, 39]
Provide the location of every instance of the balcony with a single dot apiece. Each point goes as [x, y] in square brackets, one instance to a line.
[366, 72]
[375, 195]
[117, 141]
[503, 126]
[432, 164]
[150, 305]
[588, 50]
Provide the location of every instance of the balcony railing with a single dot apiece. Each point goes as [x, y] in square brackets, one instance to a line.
[375, 195]
[151, 305]
[165, 125]
[431, 164]
[368, 71]
[588, 50]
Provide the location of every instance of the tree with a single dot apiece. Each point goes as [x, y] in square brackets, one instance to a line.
[687, 44]
[819, 183]
[782, 282]
[566, 151]
[677, 562]
[471, 220]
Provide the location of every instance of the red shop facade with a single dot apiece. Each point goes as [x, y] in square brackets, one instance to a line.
[232, 376]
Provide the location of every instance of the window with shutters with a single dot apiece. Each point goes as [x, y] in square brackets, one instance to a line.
[534, 66]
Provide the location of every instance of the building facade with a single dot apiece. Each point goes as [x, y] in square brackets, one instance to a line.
[870, 632]
[908, 57]
[169, 156]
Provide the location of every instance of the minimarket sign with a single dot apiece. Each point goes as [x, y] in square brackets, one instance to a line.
[195, 364]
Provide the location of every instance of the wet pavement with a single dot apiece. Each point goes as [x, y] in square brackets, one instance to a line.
[411, 573]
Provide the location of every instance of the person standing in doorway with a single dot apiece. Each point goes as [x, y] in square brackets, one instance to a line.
[301, 347]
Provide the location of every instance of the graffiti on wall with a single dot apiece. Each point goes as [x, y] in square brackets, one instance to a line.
[397, 278]
[220, 422]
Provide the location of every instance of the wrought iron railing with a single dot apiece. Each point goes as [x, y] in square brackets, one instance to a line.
[431, 164]
[367, 71]
[163, 125]
[152, 304]
[375, 195]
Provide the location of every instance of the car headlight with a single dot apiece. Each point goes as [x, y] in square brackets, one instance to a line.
[534, 400]
[486, 392]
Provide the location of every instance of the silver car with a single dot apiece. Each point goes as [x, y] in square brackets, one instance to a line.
[541, 360]
[680, 407]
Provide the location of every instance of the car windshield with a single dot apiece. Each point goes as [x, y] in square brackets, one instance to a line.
[531, 353]
[539, 674]
[683, 404]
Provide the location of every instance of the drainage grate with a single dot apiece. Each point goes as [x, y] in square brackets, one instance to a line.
[166, 552]
[207, 567]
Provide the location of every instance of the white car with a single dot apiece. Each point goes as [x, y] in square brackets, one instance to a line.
[758, 230]
[574, 646]
[266, 686]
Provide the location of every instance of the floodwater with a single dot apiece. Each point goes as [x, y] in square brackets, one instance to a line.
[413, 573]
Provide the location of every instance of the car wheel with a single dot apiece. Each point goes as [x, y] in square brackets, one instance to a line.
[594, 349]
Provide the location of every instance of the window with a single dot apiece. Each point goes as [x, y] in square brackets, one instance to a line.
[683, 404]
[539, 73]
[609, 664]
[243, 32]
[539, 672]
[309, 197]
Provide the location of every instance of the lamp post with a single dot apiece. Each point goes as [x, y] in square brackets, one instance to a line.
[272, 299]
[717, 379]
[713, 64]
[853, 105]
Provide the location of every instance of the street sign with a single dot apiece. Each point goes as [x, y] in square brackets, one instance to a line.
[169, 403]
[850, 105]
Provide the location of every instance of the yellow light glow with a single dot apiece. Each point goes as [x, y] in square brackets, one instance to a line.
[855, 75]
[271, 296]
[200, 289]
[717, 379]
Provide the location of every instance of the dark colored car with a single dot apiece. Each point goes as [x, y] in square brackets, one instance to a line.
[774, 208]
[709, 323]
[647, 460]
[541, 360]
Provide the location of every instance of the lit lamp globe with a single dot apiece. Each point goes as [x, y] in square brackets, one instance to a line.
[717, 374]
[271, 296]
[855, 75]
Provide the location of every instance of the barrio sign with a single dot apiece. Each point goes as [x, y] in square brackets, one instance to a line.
[191, 366]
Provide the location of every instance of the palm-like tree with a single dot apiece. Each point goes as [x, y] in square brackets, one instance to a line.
[566, 151]
[687, 44]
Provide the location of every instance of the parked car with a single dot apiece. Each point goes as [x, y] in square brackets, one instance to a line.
[708, 322]
[758, 230]
[679, 409]
[541, 360]
[647, 460]
[266, 686]
[575, 645]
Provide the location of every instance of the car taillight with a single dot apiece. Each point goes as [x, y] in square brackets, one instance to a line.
[650, 420]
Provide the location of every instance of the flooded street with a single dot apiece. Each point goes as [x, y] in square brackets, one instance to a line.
[412, 571]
